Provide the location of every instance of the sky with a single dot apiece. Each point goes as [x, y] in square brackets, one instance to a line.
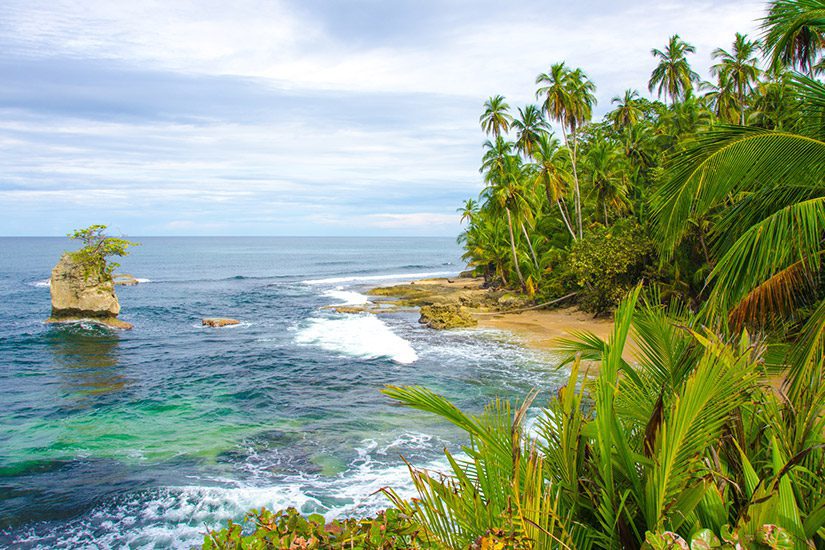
[304, 117]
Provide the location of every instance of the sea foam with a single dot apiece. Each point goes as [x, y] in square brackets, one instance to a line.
[364, 336]
[388, 277]
[346, 297]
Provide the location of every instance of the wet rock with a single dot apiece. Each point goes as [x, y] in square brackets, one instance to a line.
[219, 322]
[80, 294]
[445, 316]
[124, 279]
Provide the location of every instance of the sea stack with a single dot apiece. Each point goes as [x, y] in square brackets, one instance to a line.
[82, 294]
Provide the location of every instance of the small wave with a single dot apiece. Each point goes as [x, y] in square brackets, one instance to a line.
[45, 283]
[388, 277]
[346, 297]
[142, 281]
[364, 336]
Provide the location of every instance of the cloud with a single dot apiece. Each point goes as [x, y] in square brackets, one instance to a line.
[258, 115]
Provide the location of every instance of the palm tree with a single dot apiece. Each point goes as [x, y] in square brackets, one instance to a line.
[529, 126]
[569, 97]
[552, 174]
[606, 177]
[739, 68]
[766, 192]
[469, 210]
[673, 76]
[496, 117]
[794, 33]
[627, 111]
[723, 99]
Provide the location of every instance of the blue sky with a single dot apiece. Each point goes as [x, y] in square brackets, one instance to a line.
[272, 117]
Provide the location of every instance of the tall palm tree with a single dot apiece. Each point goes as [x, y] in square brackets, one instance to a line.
[627, 111]
[569, 97]
[496, 117]
[673, 76]
[739, 68]
[552, 174]
[529, 126]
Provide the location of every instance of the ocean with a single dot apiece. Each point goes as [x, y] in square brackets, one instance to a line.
[146, 438]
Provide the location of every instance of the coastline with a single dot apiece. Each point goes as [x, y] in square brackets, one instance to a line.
[499, 310]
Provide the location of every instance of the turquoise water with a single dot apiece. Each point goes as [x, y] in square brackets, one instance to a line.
[144, 438]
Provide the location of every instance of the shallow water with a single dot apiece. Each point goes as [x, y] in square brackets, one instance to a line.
[145, 438]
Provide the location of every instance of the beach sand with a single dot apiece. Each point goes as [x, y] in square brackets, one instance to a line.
[542, 328]
[536, 328]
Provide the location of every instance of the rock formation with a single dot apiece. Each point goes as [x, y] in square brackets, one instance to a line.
[80, 294]
[219, 322]
[446, 316]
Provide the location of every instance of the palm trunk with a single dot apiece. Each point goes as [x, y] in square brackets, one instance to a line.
[604, 206]
[576, 193]
[565, 220]
[513, 247]
[741, 105]
[530, 245]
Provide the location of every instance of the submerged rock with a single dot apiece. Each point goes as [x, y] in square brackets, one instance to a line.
[81, 294]
[446, 316]
[219, 322]
[124, 279]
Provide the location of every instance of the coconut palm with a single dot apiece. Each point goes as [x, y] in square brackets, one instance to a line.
[794, 33]
[569, 97]
[673, 76]
[552, 174]
[529, 126]
[496, 117]
[723, 99]
[766, 191]
[627, 111]
[739, 68]
[603, 163]
[469, 210]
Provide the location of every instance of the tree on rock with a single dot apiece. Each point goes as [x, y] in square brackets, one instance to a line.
[82, 286]
[97, 247]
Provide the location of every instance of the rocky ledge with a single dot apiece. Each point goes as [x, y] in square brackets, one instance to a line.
[80, 294]
[218, 322]
[446, 316]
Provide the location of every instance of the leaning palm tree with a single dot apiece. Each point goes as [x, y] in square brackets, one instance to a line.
[553, 175]
[496, 117]
[568, 98]
[673, 76]
[469, 210]
[739, 67]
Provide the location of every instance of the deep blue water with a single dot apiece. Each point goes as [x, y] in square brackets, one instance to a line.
[144, 438]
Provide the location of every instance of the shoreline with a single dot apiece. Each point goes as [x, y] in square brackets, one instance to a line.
[536, 328]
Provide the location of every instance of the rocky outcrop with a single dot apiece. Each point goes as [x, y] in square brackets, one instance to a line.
[446, 316]
[219, 322]
[80, 294]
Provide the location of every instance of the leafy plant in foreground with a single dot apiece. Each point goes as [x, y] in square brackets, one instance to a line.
[289, 529]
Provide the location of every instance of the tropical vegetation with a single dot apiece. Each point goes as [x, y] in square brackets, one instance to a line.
[699, 222]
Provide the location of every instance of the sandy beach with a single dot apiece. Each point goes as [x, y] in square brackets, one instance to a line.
[536, 328]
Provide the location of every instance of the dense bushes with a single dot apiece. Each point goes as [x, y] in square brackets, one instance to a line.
[608, 262]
